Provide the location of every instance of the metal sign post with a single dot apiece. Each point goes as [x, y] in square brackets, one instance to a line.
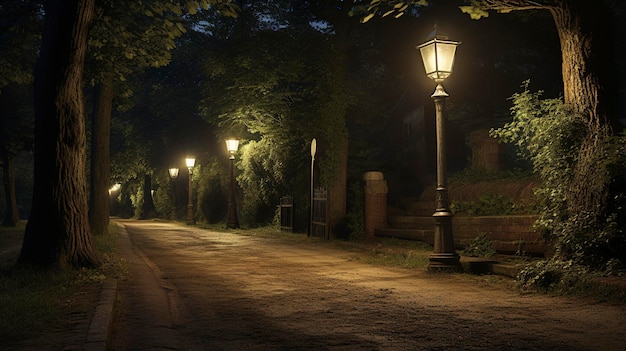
[313, 151]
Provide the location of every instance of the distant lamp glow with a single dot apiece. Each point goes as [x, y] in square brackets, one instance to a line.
[173, 172]
[173, 175]
[232, 222]
[114, 188]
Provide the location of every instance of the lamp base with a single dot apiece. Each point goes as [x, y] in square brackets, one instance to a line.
[444, 262]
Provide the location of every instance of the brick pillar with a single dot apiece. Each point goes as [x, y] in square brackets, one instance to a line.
[375, 206]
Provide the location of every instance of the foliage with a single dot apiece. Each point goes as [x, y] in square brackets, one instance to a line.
[480, 246]
[552, 275]
[20, 28]
[130, 35]
[487, 205]
[355, 221]
[162, 194]
[211, 181]
[279, 88]
[579, 167]
[267, 170]
[368, 9]
[473, 175]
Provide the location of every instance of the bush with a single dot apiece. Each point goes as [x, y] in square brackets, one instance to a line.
[580, 166]
[561, 277]
[486, 205]
[480, 246]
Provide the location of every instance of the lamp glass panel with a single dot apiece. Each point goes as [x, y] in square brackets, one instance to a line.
[445, 57]
[232, 145]
[438, 57]
[429, 57]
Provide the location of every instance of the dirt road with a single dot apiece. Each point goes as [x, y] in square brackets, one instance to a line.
[193, 289]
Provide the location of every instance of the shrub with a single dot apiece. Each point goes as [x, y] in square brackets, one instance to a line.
[581, 167]
[480, 246]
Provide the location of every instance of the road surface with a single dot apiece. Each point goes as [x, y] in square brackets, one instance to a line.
[195, 289]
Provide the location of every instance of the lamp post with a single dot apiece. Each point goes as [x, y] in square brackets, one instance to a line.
[173, 172]
[438, 56]
[190, 162]
[232, 222]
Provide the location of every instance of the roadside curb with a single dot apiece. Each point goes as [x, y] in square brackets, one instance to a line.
[100, 326]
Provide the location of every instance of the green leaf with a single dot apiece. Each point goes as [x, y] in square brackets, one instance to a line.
[474, 12]
[367, 18]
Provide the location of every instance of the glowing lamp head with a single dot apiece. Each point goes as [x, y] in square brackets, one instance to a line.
[190, 162]
[173, 172]
[438, 56]
[232, 145]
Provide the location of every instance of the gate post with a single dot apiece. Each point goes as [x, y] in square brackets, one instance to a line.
[375, 204]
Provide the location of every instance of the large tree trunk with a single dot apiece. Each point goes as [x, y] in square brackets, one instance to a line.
[57, 234]
[11, 216]
[581, 39]
[100, 158]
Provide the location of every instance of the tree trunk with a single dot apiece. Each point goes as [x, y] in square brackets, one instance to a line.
[100, 158]
[580, 40]
[11, 217]
[57, 234]
[338, 191]
[338, 105]
[147, 209]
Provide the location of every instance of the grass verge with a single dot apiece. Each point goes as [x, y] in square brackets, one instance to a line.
[45, 304]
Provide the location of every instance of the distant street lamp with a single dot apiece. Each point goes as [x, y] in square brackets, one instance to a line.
[173, 175]
[232, 222]
[190, 162]
[114, 192]
[438, 56]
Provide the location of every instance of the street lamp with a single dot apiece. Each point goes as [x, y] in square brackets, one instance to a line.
[438, 56]
[232, 222]
[173, 175]
[190, 162]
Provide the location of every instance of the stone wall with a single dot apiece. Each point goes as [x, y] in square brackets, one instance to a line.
[487, 152]
[509, 234]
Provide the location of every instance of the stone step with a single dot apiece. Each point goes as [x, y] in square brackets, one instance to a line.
[509, 235]
[479, 265]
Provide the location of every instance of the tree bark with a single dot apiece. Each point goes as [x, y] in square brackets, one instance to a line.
[148, 210]
[100, 158]
[57, 234]
[11, 216]
[581, 85]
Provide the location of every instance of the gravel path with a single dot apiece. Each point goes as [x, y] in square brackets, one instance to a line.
[194, 289]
